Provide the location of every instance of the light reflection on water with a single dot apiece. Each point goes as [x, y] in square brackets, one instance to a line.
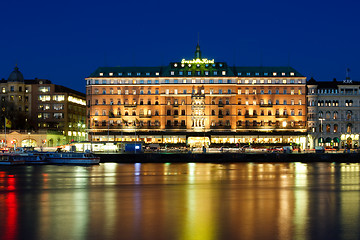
[181, 201]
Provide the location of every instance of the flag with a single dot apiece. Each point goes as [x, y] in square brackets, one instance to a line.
[7, 123]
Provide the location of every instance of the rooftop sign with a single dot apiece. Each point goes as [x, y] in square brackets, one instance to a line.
[198, 61]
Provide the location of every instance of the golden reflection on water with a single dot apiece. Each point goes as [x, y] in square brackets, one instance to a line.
[181, 201]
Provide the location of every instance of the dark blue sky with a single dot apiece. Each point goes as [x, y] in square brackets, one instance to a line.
[64, 41]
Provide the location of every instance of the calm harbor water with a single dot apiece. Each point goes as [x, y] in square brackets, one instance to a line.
[181, 201]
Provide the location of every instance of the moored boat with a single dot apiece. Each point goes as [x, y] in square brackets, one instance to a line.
[10, 159]
[86, 158]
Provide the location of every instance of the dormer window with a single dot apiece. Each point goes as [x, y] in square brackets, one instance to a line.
[101, 74]
[111, 74]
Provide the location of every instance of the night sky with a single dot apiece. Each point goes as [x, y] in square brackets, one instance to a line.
[65, 41]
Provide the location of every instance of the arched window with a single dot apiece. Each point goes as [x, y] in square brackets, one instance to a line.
[335, 128]
[327, 128]
[335, 116]
[213, 112]
[349, 128]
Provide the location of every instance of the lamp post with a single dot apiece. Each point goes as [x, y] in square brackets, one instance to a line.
[321, 128]
[29, 139]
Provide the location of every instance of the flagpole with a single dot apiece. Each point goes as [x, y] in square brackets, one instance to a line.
[5, 132]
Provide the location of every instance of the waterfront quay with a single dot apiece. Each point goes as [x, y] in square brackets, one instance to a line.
[229, 157]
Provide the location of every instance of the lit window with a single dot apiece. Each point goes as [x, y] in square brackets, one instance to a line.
[269, 81]
[292, 74]
[284, 81]
[157, 74]
[223, 72]
[111, 74]
[274, 73]
[172, 73]
[101, 74]
[283, 74]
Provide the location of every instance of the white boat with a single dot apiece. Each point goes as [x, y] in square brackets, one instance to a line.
[11, 159]
[86, 158]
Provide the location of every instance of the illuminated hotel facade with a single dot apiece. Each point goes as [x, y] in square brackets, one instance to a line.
[198, 102]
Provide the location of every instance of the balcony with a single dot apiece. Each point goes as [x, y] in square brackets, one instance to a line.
[130, 105]
[144, 116]
[281, 116]
[221, 105]
[266, 105]
[175, 127]
[220, 127]
[250, 116]
[220, 116]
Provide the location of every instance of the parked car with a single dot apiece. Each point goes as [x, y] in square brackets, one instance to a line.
[319, 149]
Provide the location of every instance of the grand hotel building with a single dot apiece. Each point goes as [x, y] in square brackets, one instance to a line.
[197, 102]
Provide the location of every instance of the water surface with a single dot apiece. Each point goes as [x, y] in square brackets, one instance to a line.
[181, 201]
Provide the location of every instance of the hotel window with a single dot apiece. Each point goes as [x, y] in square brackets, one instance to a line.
[206, 73]
[211, 81]
[141, 81]
[269, 91]
[292, 81]
[229, 91]
[220, 81]
[262, 81]
[246, 102]
[266, 74]
[129, 74]
[96, 81]
[156, 81]
[211, 91]
[227, 102]
[181, 73]
[157, 74]
[134, 92]
[141, 91]
[292, 112]
[193, 81]
[223, 73]
[176, 81]
[167, 91]
[253, 81]
[284, 81]
[41, 89]
[247, 91]
[299, 101]
[220, 91]
[274, 73]
[157, 91]
[104, 102]
[300, 112]
[104, 81]
[269, 81]
[262, 91]
[167, 81]
[292, 74]
[198, 73]
[148, 81]
[277, 102]
[254, 102]
[254, 91]
[189, 73]
[239, 91]
[292, 102]
[247, 74]
[292, 92]
[285, 102]
[175, 91]
[269, 112]
[183, 112]
[184, 80]
[215, 73]
[172, 73]
[184, 91]
[285, 91]
[103, 91]
[101, 74]
[269, 102]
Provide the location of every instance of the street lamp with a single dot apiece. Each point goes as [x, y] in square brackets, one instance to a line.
[29, 139]
[321, 128]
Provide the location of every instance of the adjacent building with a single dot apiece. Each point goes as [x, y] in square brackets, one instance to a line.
[198, 102]
[333, 113]
[38, 104]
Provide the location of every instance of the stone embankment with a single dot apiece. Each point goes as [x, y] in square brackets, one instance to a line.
[229, 157]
